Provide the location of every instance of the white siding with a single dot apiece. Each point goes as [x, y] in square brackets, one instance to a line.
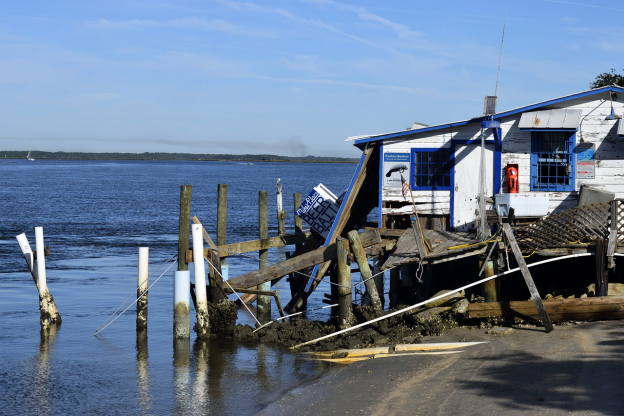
[516, 148]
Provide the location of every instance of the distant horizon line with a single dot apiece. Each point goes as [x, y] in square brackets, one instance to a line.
[74, 155]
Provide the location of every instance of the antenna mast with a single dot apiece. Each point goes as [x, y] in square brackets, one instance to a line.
[501, 53]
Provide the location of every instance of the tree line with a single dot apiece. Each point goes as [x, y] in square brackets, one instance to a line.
[8, 154]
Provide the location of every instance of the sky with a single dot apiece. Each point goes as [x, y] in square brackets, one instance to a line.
[292, 78]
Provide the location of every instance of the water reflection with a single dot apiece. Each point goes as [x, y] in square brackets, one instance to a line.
[182, 374]
[261, 367]
[201, 400]
[43, 383]
[143, 381]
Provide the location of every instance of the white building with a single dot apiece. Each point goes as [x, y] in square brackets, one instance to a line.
[559, 145]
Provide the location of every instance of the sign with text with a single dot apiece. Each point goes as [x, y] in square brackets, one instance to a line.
[585, 161]
[319, 210]
[395, 165]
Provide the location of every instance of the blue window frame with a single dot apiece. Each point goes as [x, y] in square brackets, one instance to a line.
[553, 165]
[431, 169]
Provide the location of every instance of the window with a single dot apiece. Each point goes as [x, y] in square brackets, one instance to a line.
[552, 160]
[431, 169]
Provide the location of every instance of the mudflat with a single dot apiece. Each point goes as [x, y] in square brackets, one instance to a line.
[577, 368]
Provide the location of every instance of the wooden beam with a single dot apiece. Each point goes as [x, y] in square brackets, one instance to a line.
[274, 271]
[234, 249]
[338, 228]
[527, 278]
[591, 308]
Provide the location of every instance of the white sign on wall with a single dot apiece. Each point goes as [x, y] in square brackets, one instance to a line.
[395, 165]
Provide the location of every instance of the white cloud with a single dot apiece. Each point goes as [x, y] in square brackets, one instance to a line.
[191, 23]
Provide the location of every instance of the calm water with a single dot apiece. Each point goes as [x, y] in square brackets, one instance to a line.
[95, 216]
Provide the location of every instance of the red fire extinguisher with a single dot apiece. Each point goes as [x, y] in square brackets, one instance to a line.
[512, 178]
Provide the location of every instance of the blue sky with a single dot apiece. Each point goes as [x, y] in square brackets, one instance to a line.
[283, 77]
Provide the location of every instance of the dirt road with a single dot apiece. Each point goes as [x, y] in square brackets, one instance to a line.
[576, 369]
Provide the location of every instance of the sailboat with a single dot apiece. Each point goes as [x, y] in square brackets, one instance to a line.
[28, 156]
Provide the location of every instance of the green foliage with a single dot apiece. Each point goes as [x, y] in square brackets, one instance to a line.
[606, 79]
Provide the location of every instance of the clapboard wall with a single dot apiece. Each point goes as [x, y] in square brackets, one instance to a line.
[516, 148]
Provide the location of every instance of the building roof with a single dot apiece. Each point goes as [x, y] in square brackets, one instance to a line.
[360, 141]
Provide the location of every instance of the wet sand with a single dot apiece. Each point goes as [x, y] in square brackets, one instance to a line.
[576, 369]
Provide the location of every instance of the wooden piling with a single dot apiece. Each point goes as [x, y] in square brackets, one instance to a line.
[297, 280]
[142, 284]
[264, 302]
[602, 280]
[181, 305]
[490, 291]
[371, 288]
[202, 327]
[281, 215]
[47, 308]
[185, 219]
[29, 256]
[345, 313]
[222, 192]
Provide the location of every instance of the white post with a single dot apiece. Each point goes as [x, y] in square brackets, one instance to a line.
[202, 328]
[47, 307]
[181, 304]
[142, 284]
[28, 255]
[41, 270]
[281, 215]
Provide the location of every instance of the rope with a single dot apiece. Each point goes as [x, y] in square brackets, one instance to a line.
[433, 299]
[136, 300]
[135, 290]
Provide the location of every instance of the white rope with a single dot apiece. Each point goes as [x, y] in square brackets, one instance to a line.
[434, 299]
[225, 280]
[135, 290]
[293, 314]
[136, 300]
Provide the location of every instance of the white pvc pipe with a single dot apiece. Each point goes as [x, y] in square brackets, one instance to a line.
[22, 240]
[41, 269]
[181, 304]
[198, 263]
[436, 298]
[143, 269]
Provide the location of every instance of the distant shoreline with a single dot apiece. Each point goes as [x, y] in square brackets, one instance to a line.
[39, 155]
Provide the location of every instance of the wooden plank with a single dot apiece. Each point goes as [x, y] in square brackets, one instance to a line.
[591, 308]
[527, 278]
[339, 226]
[234, 249]
[274, 271]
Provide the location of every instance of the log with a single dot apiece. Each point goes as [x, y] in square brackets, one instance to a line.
[591, 308]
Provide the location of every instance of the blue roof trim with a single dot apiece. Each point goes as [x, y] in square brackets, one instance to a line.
[402, 134]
